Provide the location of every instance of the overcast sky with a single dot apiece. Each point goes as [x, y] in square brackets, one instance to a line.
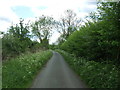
[12, 10]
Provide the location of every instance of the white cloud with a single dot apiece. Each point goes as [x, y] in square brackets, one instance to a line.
[8, 14]
[54, 37]
[53, 8]
[4, 26]
[36, 3]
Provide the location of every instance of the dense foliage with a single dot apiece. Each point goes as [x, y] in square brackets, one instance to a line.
[98, 40]
[19, 72]
[18, 40]
[42, 29]
[94, 74]
[96, 46]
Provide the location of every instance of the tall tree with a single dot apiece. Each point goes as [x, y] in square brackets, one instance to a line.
[110, 13]
[16, 40]
[42, 28]
[68, 24]
[20, 30]
[99, 40]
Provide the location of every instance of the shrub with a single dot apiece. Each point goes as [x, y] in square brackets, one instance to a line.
[95, 74]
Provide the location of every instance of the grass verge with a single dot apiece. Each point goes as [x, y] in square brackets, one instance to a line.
[20, 72]
[94, 74]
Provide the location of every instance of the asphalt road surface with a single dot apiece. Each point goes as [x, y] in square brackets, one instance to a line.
[57, 74]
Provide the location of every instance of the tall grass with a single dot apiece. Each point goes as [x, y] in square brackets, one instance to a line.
[94, 74]
[19, 72]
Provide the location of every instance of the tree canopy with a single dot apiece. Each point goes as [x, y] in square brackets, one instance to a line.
[42, 28]
[98, 40]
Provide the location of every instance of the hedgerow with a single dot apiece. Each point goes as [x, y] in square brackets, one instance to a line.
[94, 74]
[19, 72]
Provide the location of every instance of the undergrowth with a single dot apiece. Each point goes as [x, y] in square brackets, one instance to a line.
[19, 72]
[94, 74]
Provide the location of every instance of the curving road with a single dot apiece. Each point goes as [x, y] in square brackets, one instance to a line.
[57, 74]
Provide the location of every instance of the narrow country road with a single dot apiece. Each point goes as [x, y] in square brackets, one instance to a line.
[57, 74]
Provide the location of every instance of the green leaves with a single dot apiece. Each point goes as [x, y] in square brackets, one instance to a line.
[99, 41]
[42, 29]
[95, 40]
[94, 74]
[19, 72]
[16, 40]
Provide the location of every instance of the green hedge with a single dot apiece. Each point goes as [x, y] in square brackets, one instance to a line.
[19, 72]
[95, 41]
[94, 74]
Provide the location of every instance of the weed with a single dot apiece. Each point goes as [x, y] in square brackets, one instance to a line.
[95, 74]
[19, 72]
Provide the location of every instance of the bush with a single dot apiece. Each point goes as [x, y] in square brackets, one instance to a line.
[95, 74]
[94, 41]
